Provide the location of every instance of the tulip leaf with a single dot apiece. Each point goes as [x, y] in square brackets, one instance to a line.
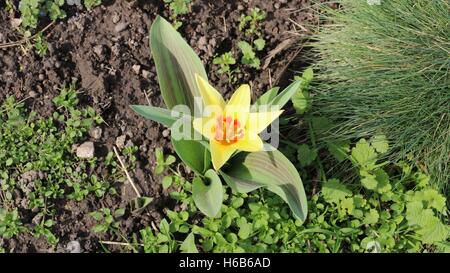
[279, 100]
[273, 171]
[176, 64]
[267, 97]
[240, 185]
[208, 197]
[161, 115]
[192, 153]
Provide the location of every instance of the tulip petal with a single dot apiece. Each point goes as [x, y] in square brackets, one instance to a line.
[205, 126]
[250, 143]
[220, 153]
[209, 94]
[239, 104]
[259, 121]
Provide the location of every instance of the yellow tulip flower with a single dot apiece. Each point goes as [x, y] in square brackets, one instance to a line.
[230, 126]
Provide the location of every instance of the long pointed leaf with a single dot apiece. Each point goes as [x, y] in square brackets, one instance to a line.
[176, 64]
[281, 99]
[161, 115]
[273, 171]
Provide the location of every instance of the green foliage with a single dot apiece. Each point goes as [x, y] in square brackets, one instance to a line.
[301, 99]
[10, 224]
[89, 4]
[37, 161]
[250, 23]
[225, 61]
[107, 219]
[32, 10]
[248, 53]
[177, 8]
[40, 45]
[391, 78]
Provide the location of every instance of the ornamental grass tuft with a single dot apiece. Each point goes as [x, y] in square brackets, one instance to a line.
[384, 68]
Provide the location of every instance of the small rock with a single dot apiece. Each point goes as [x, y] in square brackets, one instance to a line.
[96, 132]
[145, 73]
[240, 7]
[166, 133]
[86, 150]
[57, 64]
[32, 94]
[276, 5]
[41, 77]
[73, 247]
[120, 27]
[98, 50]
[115, 18]
[136, 68]
[120, 141]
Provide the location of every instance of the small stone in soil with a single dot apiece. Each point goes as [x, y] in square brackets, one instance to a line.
[120, 141]
[136, 68]
[32, 94]
[145, 74]
[96, 132]
[98, 50]
[115, 18]
[120, 27]
[86, 150]
[73, 247]
[166, 133]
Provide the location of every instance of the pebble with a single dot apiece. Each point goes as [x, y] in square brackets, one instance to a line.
[166, 133]
[120, 27]
[57, 64]
[96, 133]
[136, 68]
[98, 50]
[32, 94]
[73, 247]
[145, 73]
[86, 150]
[120, 141]
[41, 77]
[115, 18]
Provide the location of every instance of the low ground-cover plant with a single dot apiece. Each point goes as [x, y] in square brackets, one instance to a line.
[222, 131]
[400, 214]
[38, 167]
[392, 78]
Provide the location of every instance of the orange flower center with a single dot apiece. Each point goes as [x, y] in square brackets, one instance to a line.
[228, 130]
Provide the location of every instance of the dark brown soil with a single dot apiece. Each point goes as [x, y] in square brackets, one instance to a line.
[100, 54]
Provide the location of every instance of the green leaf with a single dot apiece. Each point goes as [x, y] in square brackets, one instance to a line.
[281, 99]
[268, 96]
[434, 231]
[259, 44]
[306, 155]
[140, 203]
[273, 171]
[167, 182]
[208, 198]
[333, 191]
[371, 217]
[188, 245]
[161, 115]
[192, 153]
[176, 64]
[364, 154]
[301, 101]
[380, 143]
[308, 75]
